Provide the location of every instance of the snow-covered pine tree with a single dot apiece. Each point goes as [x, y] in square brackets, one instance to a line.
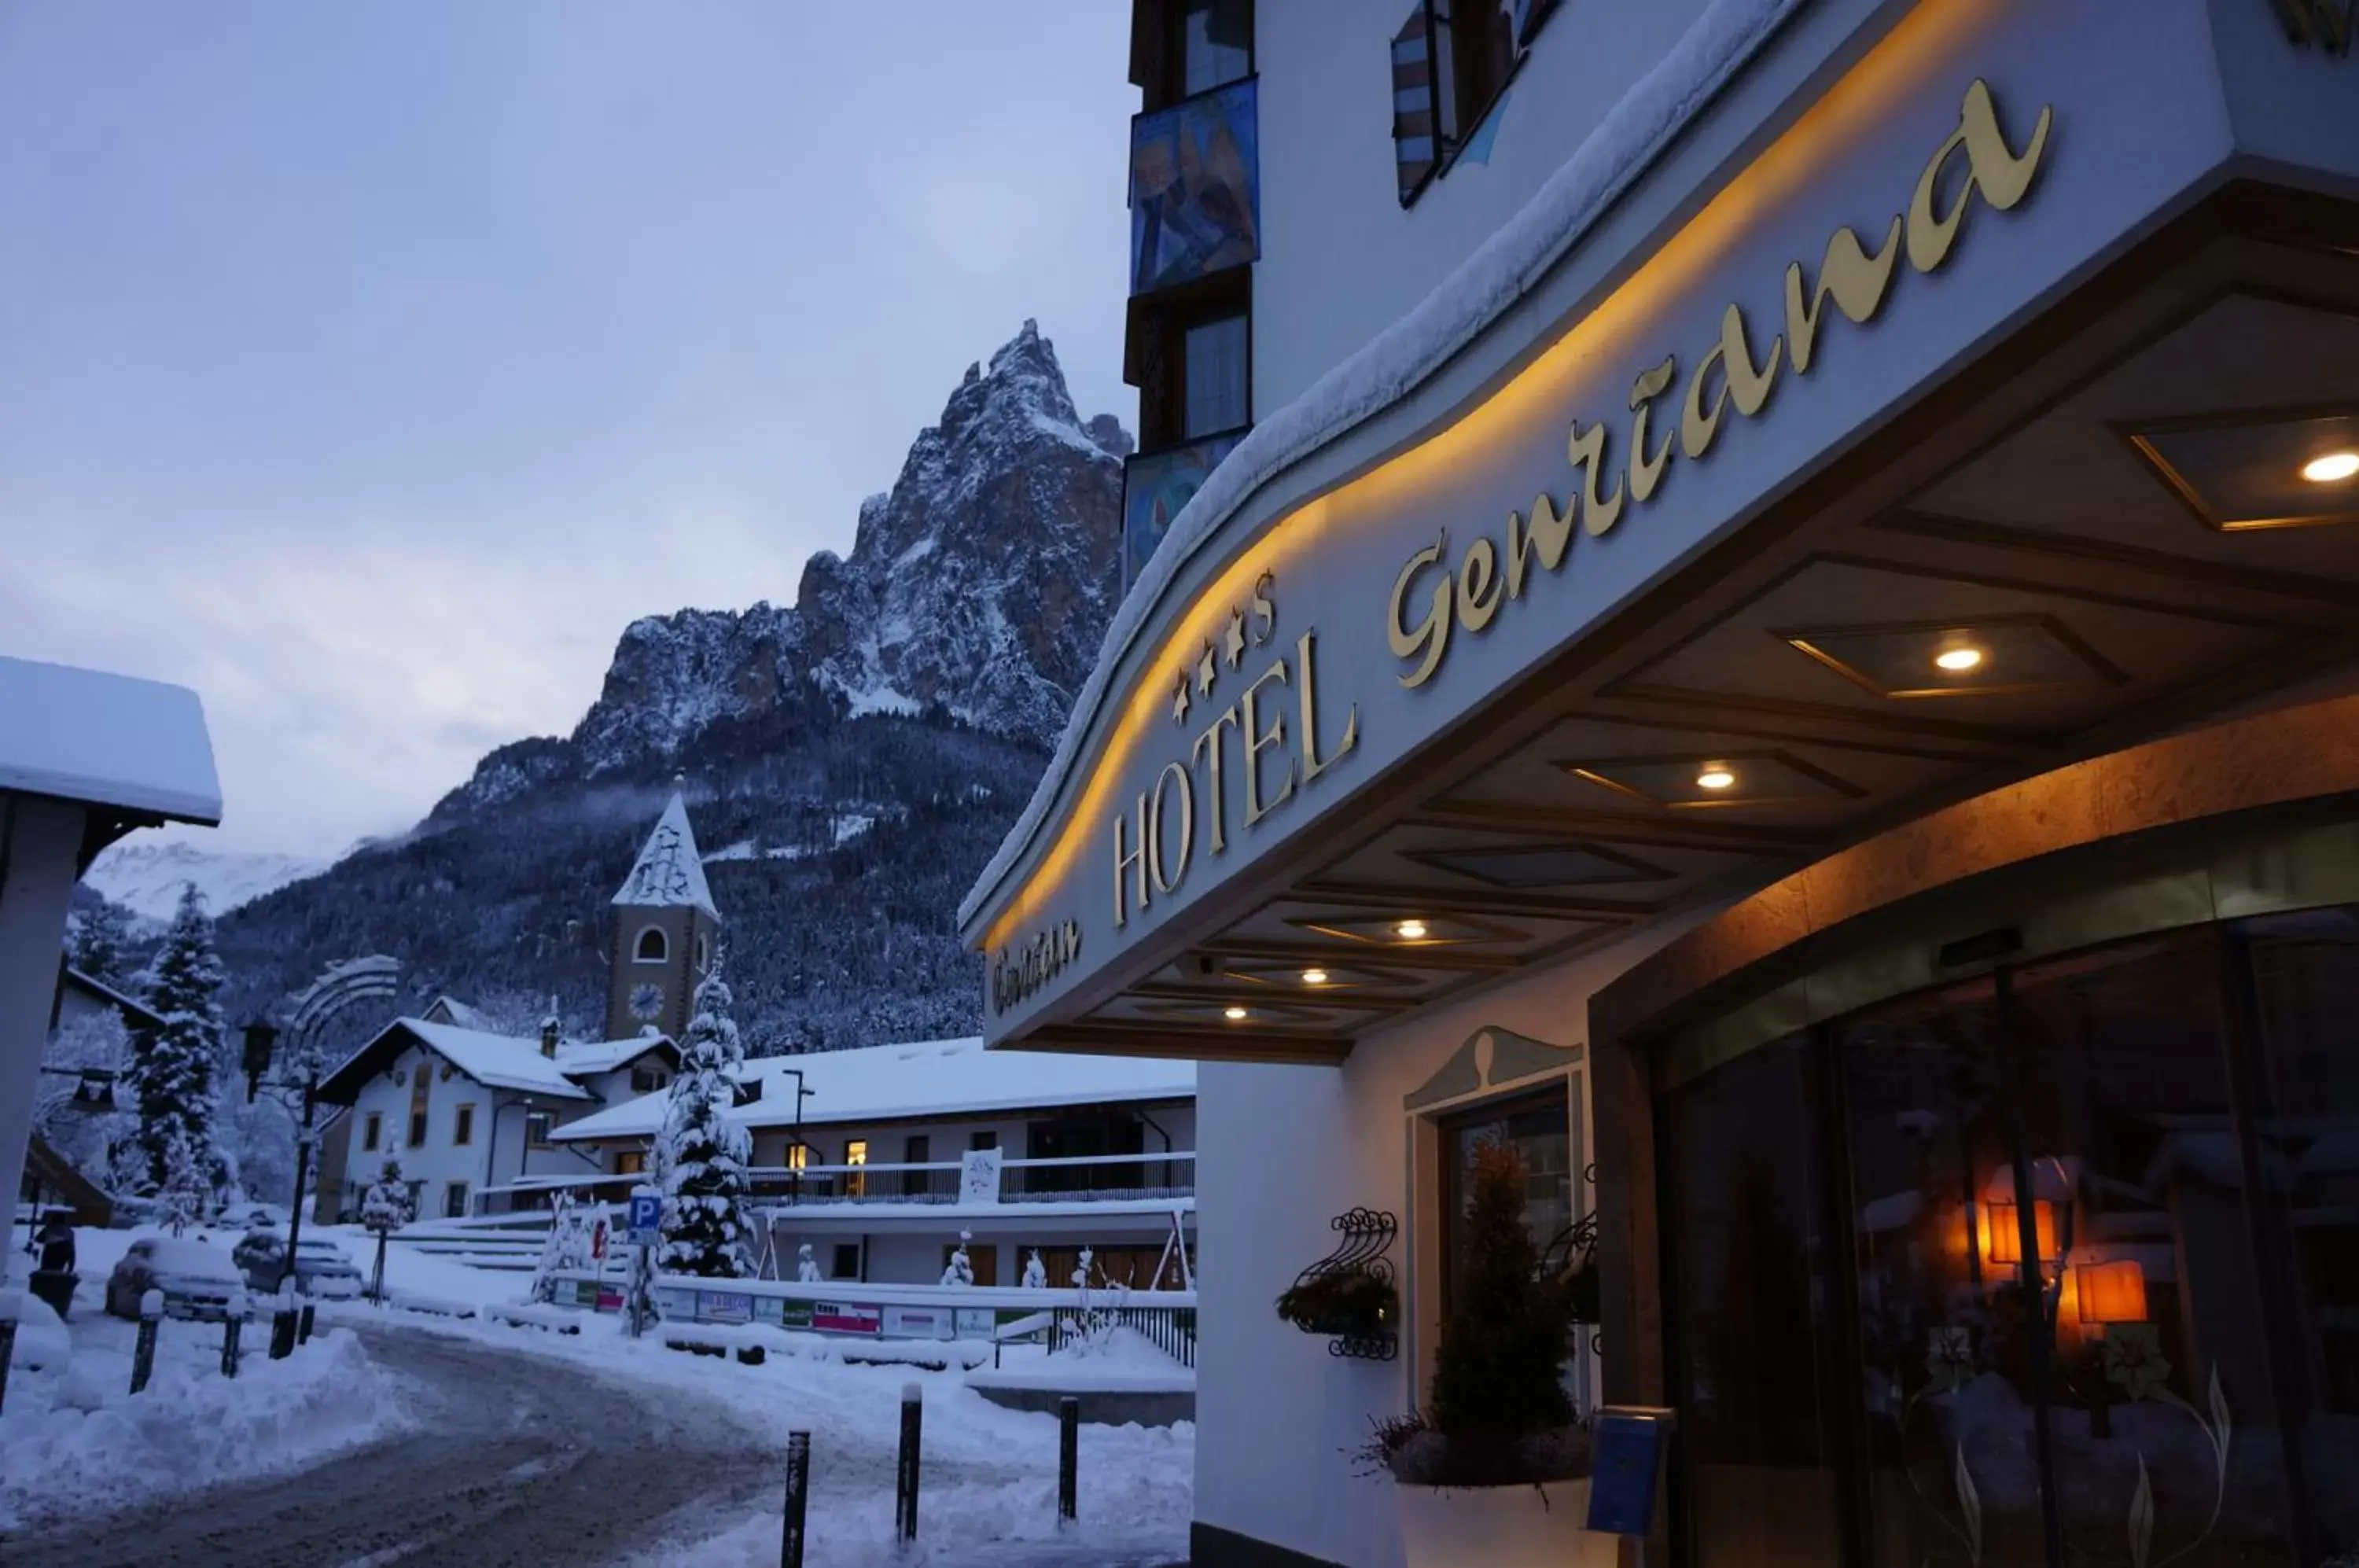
[384, 1208]
[701, 1152]
[173, 1069]
[180, 1200]
[102, 942]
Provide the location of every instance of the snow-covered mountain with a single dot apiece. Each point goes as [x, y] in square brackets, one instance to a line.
[914, 689]
[145, 875]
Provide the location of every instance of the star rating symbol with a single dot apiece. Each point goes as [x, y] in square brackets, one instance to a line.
[1206, 669]
[1233, 642]
[1179, 697]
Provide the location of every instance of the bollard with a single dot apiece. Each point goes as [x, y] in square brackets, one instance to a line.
[11, 1303]
[303, 1326]
[232, 1329]
[282, 1326]
[904, 1493]
[143, 1352]
[790, 1542]
[1068, 1460]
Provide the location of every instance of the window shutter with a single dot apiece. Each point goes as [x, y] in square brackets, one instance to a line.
[1416, 105]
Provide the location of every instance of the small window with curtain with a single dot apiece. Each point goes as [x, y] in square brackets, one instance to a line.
[1213, 355]
[1215, 43]
[371, 1131]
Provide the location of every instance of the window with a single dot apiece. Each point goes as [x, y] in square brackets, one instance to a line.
[647, 1080]
[421, 1082]
[652, 948]
[462, 1128]
[1540, 1127]
[454, 1200]
[978, 1141]
[1215, 43]
[372, 1130]
[630, 1161]
[704, 956]
[846, 1264]
[798, 1157]
[855, 1153]
[416, 1197]
[1214, 365]
[537, 1125]
[1451, 61]
[916, 1151]
[418, 1128]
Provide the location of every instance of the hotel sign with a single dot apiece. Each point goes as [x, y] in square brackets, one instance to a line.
[1490, 576]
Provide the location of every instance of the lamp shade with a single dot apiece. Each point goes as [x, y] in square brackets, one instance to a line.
[2004, 1232]
[2111, 1292]
[261, 1038]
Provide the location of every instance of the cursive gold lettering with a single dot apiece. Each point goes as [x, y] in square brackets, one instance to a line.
[1550, 531]
[2000, 175]
[1587, 450]
[1854, 279]
[1478, 585]
[1431, 637]
[1646, 471]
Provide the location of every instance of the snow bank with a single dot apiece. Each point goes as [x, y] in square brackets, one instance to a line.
[1393, 364]
[1126, 1363]
[73, 1440]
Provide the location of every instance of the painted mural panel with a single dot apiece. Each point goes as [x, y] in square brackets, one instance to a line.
[1195, 189]
[1154, 489]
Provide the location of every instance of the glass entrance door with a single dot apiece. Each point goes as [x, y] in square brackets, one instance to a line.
[2040, 1270]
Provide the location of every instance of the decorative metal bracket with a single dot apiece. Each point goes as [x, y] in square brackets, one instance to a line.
[1359, 1278]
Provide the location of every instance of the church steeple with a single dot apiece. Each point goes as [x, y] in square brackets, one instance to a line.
[666, 924]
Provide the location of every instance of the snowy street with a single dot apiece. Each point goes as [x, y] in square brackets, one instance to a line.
[514, 1460]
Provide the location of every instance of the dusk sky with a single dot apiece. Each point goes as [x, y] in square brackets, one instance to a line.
[368, 368]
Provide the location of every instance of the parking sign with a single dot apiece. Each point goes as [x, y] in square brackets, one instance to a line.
[646, 1218]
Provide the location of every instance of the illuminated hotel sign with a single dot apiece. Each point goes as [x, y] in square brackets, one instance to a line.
[1243, 751]
[1487, 577]
[1016, 972]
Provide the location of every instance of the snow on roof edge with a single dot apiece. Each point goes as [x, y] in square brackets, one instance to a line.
[110, 740]
[1393, 364]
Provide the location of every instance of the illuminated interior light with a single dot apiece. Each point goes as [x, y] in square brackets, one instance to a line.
[1235, 1015]
[1715, 776]
[1314, 977]
[1410, 931]
[1958, 660]
[2332, 469]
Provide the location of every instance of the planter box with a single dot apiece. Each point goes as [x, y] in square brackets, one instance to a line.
[1501, 1527]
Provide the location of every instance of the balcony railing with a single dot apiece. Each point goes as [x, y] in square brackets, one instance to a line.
[1079, 1179]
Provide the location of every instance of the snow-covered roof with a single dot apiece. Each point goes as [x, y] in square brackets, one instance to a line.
[80, 735]
[135, 1013]
[1477, 292]
[585, 1056]
[493, 1060]
[669, 873]
[449, 1009]
[922, 1078]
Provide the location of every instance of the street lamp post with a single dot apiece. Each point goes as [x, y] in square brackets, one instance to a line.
[260, 1037]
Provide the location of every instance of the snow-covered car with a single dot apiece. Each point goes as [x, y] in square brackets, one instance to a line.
[196, 1282]
[253, 1216]
[321, 1269]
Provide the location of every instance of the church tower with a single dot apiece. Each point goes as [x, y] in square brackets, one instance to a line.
[664, 931]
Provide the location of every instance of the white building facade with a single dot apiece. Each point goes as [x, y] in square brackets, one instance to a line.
[1740, 603]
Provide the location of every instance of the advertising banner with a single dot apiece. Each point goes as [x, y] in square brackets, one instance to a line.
[918, 1322]
[837, 1317]
[724, 1306]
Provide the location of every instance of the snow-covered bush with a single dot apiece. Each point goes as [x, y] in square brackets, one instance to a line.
[1035, 1273]
[384, 1208]
[961, 1267]
[703, 1154]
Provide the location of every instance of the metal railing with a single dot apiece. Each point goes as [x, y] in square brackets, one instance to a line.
[1080, 1179]
[1171, 1329]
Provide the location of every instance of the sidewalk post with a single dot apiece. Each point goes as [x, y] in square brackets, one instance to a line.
[11, 1303]
[790, 1542]
[1068, 1460]
[905, 1515]
[143, 1351]
[232, 1329]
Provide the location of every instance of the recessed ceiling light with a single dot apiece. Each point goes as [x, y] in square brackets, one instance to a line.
[1715, 776]
[1410, 931]
[1314, 977]
[1235, 1015]
[2331, 469]
[1958, 660]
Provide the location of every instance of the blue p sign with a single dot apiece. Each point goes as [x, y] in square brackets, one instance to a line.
[646, 1218]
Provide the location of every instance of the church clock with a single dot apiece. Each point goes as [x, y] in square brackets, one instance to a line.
[647, 1002]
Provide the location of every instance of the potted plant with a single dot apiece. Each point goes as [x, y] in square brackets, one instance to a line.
[1494, 1472]
[1351, 1303]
